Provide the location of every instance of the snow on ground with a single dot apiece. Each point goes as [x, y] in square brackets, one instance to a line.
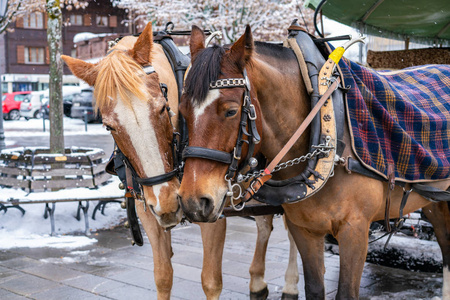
[35, 127]
[32, 230]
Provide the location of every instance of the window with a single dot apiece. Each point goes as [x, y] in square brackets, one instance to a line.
[20, 97]
[33, 21]
[102, 21]
[34, 55]
[76, 20]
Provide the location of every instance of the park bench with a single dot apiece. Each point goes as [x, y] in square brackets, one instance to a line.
[34, 176]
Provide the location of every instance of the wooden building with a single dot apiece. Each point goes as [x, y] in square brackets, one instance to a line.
[24, 57]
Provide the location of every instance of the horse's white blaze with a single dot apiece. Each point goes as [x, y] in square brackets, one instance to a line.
[446, 283]
[212, 96]
[157, 191]
[142, 136]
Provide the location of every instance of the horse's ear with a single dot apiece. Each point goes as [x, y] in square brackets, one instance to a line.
[81, 69]
[197, 41]
[143, 47]
[242, 49]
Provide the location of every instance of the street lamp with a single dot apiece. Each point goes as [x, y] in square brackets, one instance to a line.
[3, 9]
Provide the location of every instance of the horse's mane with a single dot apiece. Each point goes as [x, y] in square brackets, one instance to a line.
[206, 67]
[118, 73]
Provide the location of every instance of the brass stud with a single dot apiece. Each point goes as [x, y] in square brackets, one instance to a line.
[121, 186]
[126, 224]
[123, 204]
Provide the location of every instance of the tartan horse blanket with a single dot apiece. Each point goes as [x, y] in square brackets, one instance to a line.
[400, 118]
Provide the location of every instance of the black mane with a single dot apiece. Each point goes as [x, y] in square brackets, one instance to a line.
[205, 69]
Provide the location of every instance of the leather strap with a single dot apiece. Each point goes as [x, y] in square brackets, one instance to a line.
[302, 127]
[131, 208]
[133, 221]
[206, 153]
[399, 223]
[258, 182]
[391, 186]
[431, 193]
[157, 179]
[254, 187]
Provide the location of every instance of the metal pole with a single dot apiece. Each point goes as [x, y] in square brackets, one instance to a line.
[2, 132]
[85, 120]
[3, 9]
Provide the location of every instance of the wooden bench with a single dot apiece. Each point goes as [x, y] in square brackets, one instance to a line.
[33, 176]
[51, 198]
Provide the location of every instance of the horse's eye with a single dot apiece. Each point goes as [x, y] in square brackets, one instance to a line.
[109, 128]
[231, 113]
[163, 109]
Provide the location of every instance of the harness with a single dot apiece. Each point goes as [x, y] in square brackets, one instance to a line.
[322, 155]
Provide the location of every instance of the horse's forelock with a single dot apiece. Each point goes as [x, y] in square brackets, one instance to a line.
[118, 74]
[205, 69]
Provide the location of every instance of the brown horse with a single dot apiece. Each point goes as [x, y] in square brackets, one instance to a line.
[134, 110]
[344, 207]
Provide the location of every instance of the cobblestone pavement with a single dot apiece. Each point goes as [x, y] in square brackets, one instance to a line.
[113, 269]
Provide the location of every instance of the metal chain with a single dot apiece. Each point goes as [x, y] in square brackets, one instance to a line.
[320, 149]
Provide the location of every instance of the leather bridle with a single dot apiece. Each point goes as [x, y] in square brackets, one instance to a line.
[158, 179]
[247, 127]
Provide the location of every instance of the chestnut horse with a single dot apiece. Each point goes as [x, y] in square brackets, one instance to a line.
[344, 207]
[134, 110]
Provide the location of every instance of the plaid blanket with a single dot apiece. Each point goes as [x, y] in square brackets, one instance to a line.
[401, 118]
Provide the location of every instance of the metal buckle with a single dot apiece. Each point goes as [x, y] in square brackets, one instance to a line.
[234, 154]
[251, 186]
[252, 111]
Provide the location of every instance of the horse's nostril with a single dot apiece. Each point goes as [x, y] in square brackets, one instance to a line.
[152, 209]
[206, 206]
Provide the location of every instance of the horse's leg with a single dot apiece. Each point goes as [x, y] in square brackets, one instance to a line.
[353, 237]
[213, 237]
[258, 287]
[439, 216]
[162, 252]
[311, 248]
[290, 289]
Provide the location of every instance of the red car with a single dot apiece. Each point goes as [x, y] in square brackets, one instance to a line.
[11, 104]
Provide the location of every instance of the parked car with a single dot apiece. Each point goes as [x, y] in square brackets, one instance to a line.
[11, 104]
[82, 105]
[68, 91]
[31, 105]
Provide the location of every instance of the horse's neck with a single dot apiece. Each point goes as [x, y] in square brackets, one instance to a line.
[284, 104]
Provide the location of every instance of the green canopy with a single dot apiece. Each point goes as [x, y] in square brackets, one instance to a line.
[426, 21]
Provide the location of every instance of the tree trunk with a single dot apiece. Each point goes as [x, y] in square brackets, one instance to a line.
[54, 37]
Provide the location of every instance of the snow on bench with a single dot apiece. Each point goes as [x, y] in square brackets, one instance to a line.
[31, 176]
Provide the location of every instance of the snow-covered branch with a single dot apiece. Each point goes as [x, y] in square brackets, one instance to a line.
[269, 19]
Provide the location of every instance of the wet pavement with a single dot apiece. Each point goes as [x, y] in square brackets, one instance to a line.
[113, 269]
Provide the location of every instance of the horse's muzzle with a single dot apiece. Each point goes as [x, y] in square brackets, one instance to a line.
[198, 210]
